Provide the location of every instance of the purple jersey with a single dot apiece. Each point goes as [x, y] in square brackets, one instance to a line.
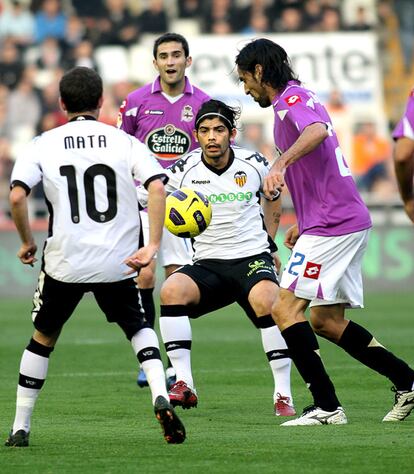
[165, 125]
[324, 194]
[405, 127]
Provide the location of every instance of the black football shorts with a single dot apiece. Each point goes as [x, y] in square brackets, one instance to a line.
[54, 302]
[223, 282]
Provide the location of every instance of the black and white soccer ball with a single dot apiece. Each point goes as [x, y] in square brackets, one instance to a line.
[187, 213]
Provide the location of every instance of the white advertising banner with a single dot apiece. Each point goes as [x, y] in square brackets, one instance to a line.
[343, 61]
[323, 61]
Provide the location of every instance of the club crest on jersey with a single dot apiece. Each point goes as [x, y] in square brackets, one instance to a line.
[187, 114]
[169, 142]
[292, 100]
[312, 270]
[240, 178]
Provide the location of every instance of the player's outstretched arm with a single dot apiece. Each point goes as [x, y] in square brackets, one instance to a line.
[404, 171]
[156, 216]
[272, 210]
[156, 212]
[20, 215]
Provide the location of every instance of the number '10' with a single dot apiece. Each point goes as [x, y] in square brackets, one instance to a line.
[88, 183]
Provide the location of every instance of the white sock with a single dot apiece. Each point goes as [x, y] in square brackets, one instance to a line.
[275, 346]
[33, 366]
[153, 368]
[178, 328]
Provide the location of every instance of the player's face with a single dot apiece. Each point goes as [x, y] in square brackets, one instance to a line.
[253, 86]
[171, 63]
[214, 138]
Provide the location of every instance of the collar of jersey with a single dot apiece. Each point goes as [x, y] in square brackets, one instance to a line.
[279, 95]
[156, 86]
[80, 118]
[222, 170]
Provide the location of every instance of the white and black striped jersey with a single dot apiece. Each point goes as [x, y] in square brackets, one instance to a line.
[236, 229]
[88, 170]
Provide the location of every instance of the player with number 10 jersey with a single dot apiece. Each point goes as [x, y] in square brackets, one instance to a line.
[88, 170]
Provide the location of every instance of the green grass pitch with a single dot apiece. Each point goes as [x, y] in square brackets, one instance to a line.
[92, 418]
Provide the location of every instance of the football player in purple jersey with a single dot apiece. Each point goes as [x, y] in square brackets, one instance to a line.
[161, 115]
[403, 135]
[328, 241]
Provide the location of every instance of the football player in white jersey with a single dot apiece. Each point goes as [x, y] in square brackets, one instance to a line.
[161, 114]
[232, 260]
[88, 169]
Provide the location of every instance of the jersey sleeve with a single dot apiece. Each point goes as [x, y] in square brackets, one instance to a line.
[405, 127]
[145, 166]
[176, 173]
[27, 171]
[300, 110]
[127, 117]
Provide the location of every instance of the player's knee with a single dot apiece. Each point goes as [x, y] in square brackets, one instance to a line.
[262, 307]
[282, 311]
[146, 278]
[318, 326]
[172, 294]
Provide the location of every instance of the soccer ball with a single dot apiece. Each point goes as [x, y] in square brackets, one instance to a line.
[187, 213]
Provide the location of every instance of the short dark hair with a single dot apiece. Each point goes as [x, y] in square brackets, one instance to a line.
[277, 70]
[215, 108]
[80, 89]
[169, 38]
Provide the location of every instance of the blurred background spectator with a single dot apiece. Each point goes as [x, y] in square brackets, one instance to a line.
[371, 160]
[220, 16]
[17, 23]
[49, 21]
[154, 18]
[404, 10]
[11, 64]
[118, 26]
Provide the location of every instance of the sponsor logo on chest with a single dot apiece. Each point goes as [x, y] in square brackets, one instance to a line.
[168, 142]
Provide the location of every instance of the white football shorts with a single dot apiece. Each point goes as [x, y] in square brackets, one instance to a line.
[327, 270]
[173, 250]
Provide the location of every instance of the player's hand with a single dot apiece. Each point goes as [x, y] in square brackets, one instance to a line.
[27, 253]
[291, 236]
[141, 258]
[277, 262]
[273, 182]
[409, 209]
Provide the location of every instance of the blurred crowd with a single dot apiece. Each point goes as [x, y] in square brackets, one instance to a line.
[39, 39]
